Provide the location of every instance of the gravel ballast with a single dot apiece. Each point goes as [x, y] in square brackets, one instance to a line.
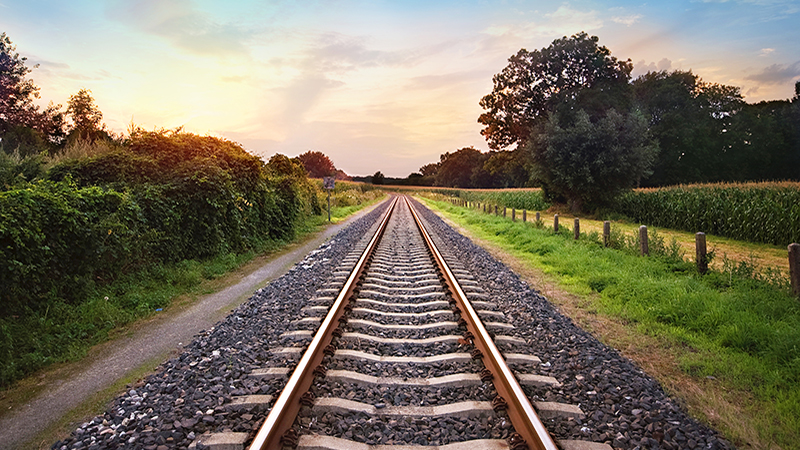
[192, 393]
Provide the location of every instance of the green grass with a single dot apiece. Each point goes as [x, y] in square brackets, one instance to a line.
[64, 332]
[743, 332]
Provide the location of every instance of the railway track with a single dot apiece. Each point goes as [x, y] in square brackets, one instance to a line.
[405, 367]
[408, 352]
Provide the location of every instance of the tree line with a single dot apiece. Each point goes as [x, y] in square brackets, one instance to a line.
[569, 118]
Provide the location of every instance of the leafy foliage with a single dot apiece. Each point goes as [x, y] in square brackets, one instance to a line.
[528, 199]
[87, 119]
[161, 198]
[460, 168]
[592, 163]
[17, 107]
[534, 83]
[317, 164]
[378, 178]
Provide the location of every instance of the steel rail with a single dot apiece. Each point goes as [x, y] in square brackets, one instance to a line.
[284, 411]
[520, 410]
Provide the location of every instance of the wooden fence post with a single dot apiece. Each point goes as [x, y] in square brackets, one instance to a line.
[484, 208]
[577, 230]
[555, 223]
[645, 248]
[606, 233]
[794, 267]
[524, 214]
[700, 252]
[538, 216]
[504, 212]
[513, 214]
[495, 210]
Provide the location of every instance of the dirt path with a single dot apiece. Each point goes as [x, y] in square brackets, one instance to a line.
[83, 389]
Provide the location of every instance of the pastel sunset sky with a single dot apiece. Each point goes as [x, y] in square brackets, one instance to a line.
[375, 85]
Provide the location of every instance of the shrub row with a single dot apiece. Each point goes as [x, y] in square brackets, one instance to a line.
[112, 233]
[159, 198]
[765, 212]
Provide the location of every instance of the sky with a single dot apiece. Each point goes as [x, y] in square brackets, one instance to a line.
[375, 85]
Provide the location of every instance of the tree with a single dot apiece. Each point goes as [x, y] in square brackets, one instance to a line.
[534, 83]
[378, 178]
[17, 108]
[317, 164]
[590, 163]
[458, 169]
[694, 123]
[16, 91]
[86, 117]
[508, 168]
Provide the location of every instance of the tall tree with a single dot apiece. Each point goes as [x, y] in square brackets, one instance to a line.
[17, 92]
[534, 83]
[460, 168]
[568, 110]
[317, 164]
[87, 119]
[18, 111]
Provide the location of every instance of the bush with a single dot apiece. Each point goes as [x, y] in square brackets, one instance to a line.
[102, 215]
[56, 238]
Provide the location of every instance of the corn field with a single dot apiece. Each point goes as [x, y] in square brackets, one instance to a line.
[529, 199]
[764, 212]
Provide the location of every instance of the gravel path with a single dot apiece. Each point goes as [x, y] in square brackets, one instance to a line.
[17, 429]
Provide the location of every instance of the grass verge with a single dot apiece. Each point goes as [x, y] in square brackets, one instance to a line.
[726, 345]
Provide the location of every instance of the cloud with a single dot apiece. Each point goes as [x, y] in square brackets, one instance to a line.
[336, 52]
[776, 74]
[627, 20]
[181, 24]
[642, 67]
[766, 51]
[564, 21]
[51, 65]
[448, 80]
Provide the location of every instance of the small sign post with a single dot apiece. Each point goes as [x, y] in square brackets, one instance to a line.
[328, 183]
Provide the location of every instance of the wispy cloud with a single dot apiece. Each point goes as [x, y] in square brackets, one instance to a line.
[338, 52]
[564, 21]
[627, 20]
[180, 23]
[776, 74]
[766, 51]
